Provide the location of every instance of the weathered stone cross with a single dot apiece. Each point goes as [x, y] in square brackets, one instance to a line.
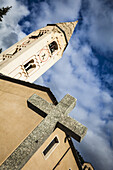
[55, 116]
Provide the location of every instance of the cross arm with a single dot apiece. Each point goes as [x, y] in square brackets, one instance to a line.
[43, 108]
[39, 105]
[67, 104]
[73, 128]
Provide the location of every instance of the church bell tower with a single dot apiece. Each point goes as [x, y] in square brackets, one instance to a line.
[29, 58]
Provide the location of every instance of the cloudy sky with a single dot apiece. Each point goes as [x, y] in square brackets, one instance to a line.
[86, 69]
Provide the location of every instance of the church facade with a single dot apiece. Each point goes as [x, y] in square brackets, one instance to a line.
[18, 121]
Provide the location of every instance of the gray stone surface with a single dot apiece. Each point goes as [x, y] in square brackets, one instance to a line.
[57, 116]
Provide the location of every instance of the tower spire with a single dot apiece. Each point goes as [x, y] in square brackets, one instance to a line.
[29, 58]
[68, 28]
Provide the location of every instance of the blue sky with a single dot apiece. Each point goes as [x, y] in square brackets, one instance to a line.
[86, 69]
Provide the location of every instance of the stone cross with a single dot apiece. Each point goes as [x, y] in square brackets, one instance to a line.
[57, 116]
[54, 116]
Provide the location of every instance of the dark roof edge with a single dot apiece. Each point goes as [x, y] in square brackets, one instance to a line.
[31, 85]
[75, 154]
[62, 31]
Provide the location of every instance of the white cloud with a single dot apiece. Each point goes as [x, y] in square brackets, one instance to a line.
[10, 30]
[98, 150]
[53, 12]
[99, 21]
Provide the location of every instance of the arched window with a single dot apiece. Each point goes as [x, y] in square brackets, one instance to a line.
[30, 66]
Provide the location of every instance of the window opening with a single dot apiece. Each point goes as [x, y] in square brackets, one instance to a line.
[53, 46]
[89, 168]
[51, 146]
[29, 66]
[84, 167]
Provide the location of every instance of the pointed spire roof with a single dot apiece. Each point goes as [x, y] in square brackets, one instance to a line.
[68, 28]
